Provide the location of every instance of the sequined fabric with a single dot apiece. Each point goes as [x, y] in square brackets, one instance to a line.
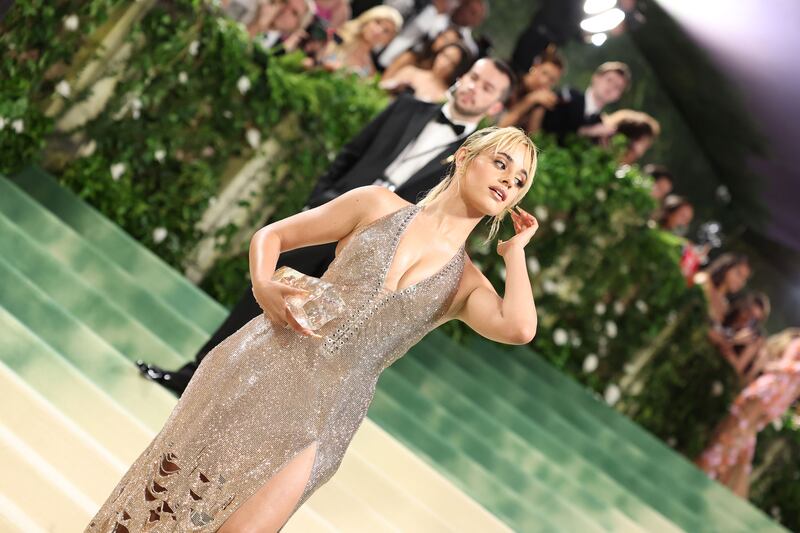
[265, 394]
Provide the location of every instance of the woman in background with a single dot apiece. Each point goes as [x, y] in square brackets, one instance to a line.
[431, 85]
[373, 29]
[423, 58]
[729, 456]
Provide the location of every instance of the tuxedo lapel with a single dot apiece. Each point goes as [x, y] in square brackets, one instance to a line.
[414, 126]
[434, 170]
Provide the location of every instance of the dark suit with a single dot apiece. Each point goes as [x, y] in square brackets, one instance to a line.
[569, 114]
[360, 162]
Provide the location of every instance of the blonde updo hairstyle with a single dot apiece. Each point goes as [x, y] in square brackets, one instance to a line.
[493, 140]
[350, 30]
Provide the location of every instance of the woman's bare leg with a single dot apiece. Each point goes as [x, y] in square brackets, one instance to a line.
[270, 507]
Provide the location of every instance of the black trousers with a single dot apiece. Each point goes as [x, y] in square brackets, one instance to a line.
[313, 261]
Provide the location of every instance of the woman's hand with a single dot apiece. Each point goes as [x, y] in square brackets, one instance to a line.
[271, 297]
[525, 225]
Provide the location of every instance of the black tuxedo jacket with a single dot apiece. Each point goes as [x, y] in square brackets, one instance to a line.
[568, 115]
[365, 158]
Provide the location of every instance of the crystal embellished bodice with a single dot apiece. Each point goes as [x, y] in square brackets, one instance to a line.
[264, 394]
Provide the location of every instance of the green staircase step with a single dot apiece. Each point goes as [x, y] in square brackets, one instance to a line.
[96, 270]
[118, 246]
[671, 469]
[541, 452]
[438, 451]
[70, 391]
[87, 353]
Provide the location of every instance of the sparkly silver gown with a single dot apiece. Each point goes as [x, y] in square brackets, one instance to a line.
[265, 394]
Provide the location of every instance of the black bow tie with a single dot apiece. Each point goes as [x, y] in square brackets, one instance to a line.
[442, 119]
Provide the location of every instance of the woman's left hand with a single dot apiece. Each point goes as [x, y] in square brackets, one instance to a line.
[525, 226]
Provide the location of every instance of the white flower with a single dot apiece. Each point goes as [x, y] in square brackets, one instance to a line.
[717, 388]
[599, 308]
[160, 155]
[622, 171]
[796, 420]
[560, 337]
[671, 442]
[672, 316]
[117, 170]
[243, 84]
[87, 149]
[777, 424]
[559, 226]
[253, 137]
[71, 22]
[619, 307]
[227, 113]
[2, 123]
[601, 195]
[63, 88]
[549, 286]
[612, 394]
[775, 511]
[533, 265]
[159, 234]
[590, 363]
[212, 200]
[641, 305]
[540, 212]
[194, 47]
[18, 125]
[611, 329]
[183, 77]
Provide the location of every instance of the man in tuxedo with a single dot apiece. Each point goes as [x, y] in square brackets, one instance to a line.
[579, 112]
[406, 148]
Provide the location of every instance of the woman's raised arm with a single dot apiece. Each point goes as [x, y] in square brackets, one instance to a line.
[512, 318]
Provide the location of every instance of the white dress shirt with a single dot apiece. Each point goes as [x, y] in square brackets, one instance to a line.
[433, 138]
[591, 104]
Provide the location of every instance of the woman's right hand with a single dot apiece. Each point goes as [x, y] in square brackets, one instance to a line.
[271, 297]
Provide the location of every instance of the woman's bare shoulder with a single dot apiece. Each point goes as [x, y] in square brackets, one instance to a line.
[378, 202]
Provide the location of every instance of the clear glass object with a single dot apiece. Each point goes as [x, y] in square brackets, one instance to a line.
[322, 304]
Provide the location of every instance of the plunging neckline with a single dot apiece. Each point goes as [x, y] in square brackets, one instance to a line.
[393, 252]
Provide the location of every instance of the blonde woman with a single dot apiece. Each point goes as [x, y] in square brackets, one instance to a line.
[729, 456]
[271, 410]
[373, 29]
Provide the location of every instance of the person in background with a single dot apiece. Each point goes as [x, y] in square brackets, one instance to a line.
[422, 55]
[740, 336]
[431, 85]
[374, 28]
[724, 277]
[281, 23]
[579, 112]
[535, 96]
[432, 20]
[676, 214]
[639, 128]
[663, 181]
[333, 12]
[728, 458]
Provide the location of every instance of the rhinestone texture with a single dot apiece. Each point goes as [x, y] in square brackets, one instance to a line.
[265, 394]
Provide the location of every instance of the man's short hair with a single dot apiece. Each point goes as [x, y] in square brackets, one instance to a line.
[616, 66]
[503, 67]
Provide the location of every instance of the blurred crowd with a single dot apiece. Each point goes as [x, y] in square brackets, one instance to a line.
[422, 48]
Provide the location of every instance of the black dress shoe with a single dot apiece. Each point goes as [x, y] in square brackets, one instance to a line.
[159, 375]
